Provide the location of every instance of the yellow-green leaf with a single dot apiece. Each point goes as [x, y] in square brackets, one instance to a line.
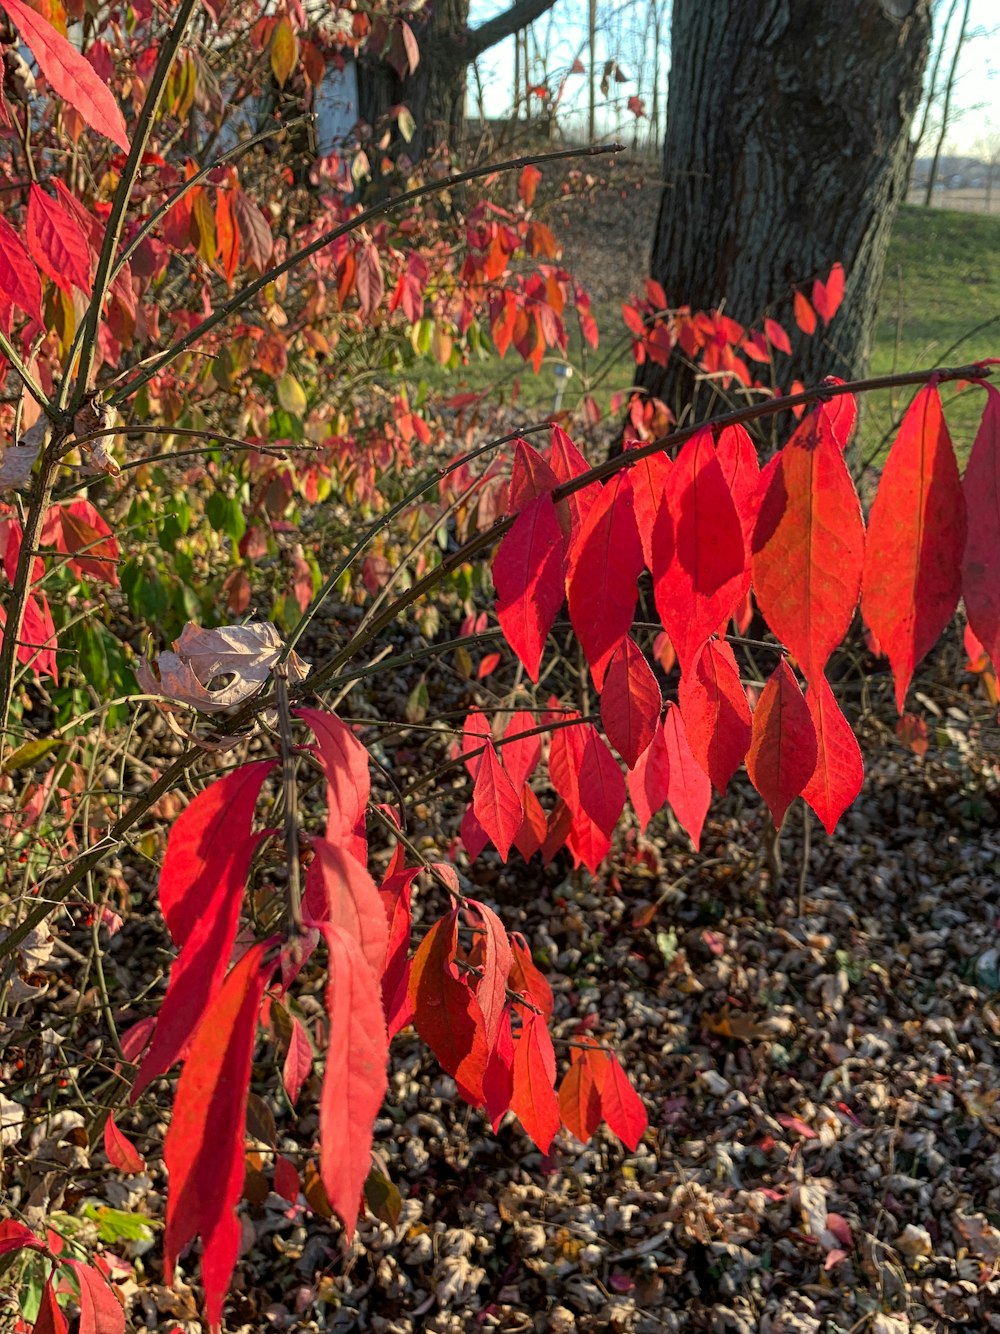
[292, 396]
[284, 50]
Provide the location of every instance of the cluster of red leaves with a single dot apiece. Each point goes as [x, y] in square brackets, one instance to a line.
[714, 342]
[711, 527]
[472, 992]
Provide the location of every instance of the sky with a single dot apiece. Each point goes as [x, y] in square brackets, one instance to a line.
[562, 33]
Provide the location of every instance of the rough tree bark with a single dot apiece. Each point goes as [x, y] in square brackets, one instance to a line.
[434, 92]
[787, 148]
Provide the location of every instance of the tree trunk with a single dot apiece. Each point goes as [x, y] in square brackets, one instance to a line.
[434, 92]
[787, 148]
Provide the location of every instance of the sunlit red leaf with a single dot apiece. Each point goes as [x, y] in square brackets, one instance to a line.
[532, 834]
[496, 803]
[621, 1106]
[782, 753]
[716, 713]
[78, 531]
[50, 1318]
[916, 540]
[340, 892]
[700, 572]
[605, 561]
[649, 486]
[201, 891]
[529, 576]
[530, 477]
[498, 1083]
[527, 184]
[100, 1306]
[297, 1064]
[355, 1079]
[805, 316]
[689, 791]
[445, 1012]
[534, 1099]
[521, 756]
[122, 1153]
[981, 563]
[808, 546]
[601, 787]
[567, 462]
[56, 242]
[777, 337]
[497, 959]
[525, 978]
[227, 234]
[70, 75]
[19, 280]
[839, 773]
[737, 457]
[580, 1092]
[630, 702]
[203, 1151]
[348, 784]
[649, 779]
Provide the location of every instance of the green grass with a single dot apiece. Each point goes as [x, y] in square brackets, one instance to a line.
[940, 305]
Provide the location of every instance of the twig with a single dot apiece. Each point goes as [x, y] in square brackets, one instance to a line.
[290, 798]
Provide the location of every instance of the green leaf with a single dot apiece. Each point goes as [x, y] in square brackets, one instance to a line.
[407, 125]
[30, 753]
[292, 396]
[383, 1198]
[114, 1225]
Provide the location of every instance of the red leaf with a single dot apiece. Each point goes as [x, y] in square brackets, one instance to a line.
[981, 563]
[355, 1079]
[782, 753]
[797, 1124]
[716, 713]
[587, 843]
[348, 784]
[472, 834]
[521, 756]
[297, 1065]
[227, 234]
[534, 1099]
[209, 843]
[601, 786]
[204, 1147]
[529, 574]
[532, 834]
[621, 1106]
[740, 467]
[530, 477]
[649, 487]
[526, 980]
[805, 316]
[100, 1306]
[286, 1179]
[201, 891]
[19, 280]
[649, 779]
[688, 788]
[78, 528]
[498, 1083]
[395, 895]
[834, 292]
[567, 462]
[700, 572]
[605, 561]
[630, 702]
[496, 804]
[255, 233]
[777, 337]
[70, 74]
[580, 1092]
[527, 184]
[916, 538]
[50, 1319]
[475, 731]
[122, 1153]
[341, 893]
[809, 546]
[369, 278]
[15, 1236]
[836, 780]
[497, 959]
[57, 244]
[445, 1012]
